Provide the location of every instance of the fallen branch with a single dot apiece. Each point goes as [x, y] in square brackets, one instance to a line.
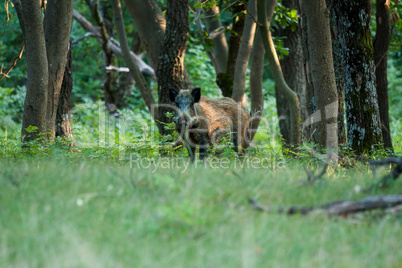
[389, 178]
[340, 208]
[113, 45]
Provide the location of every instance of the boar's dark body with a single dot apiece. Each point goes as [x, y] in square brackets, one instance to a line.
[208, 120]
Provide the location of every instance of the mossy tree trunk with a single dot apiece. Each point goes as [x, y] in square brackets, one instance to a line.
[361, 104]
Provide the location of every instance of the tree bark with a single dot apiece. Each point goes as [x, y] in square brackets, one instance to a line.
[256, 94]
[339, 76]
[135, 72]
[37, 82]
[225, 80]
[150, 24]
[381, 45]
[362, 113]
[170, 70]
[58, 20]
[63, 119]
[322, 72]
[277, 71]
[220, 49]
[243, 56]
[293, 72]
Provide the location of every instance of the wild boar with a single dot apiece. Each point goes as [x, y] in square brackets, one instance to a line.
[207, 121]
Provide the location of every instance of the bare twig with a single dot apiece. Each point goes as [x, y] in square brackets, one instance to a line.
[13, 65]
[387, 179]
[83, 37]
[311, 178]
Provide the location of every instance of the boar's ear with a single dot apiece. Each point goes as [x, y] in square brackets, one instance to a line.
[196, 93]
[172, 94]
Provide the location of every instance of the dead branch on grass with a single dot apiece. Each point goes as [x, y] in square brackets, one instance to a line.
[390, 203]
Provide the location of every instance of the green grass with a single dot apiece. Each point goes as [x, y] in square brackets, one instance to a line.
[69, 213]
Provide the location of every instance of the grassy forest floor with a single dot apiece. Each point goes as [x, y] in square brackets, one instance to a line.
[113, 201]
[74, 212]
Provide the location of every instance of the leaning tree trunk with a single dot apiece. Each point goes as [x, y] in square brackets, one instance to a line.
[381, 45]
[135, 72]
[322, 72]
[280, 82]
[58, 21]
[243, 56]
[362, 113]
[37, 82]
[63, 119]
[293, 72]
[225, 80]
[170, 72]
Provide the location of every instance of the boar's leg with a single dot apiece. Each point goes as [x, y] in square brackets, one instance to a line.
[203, 145]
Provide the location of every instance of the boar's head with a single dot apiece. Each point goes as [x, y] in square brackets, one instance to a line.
[185, 100]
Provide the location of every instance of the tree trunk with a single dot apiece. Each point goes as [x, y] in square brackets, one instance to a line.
[58, 20]
[220, 49]
[38, 75]
[277, 71]
[63, 119]
[112, 94]
[150, 24]
[293, 72]
[243, 56]
[322, 72]
[362, 113]
[135, 72]
[256, 94]
[170, 70]
[381, 45]
[225, 80]
[339, 76]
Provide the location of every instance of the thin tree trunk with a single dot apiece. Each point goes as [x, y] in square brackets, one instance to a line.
[225, 80]
[322, 72]
[243, 56]
[58, 21]
[277, 71]
[170, 70]
[220, 49]
[293, 72]
[63, 119]
[38, 75]
[135, 72]
[362, 113]
[381, 45]
[256, 94]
